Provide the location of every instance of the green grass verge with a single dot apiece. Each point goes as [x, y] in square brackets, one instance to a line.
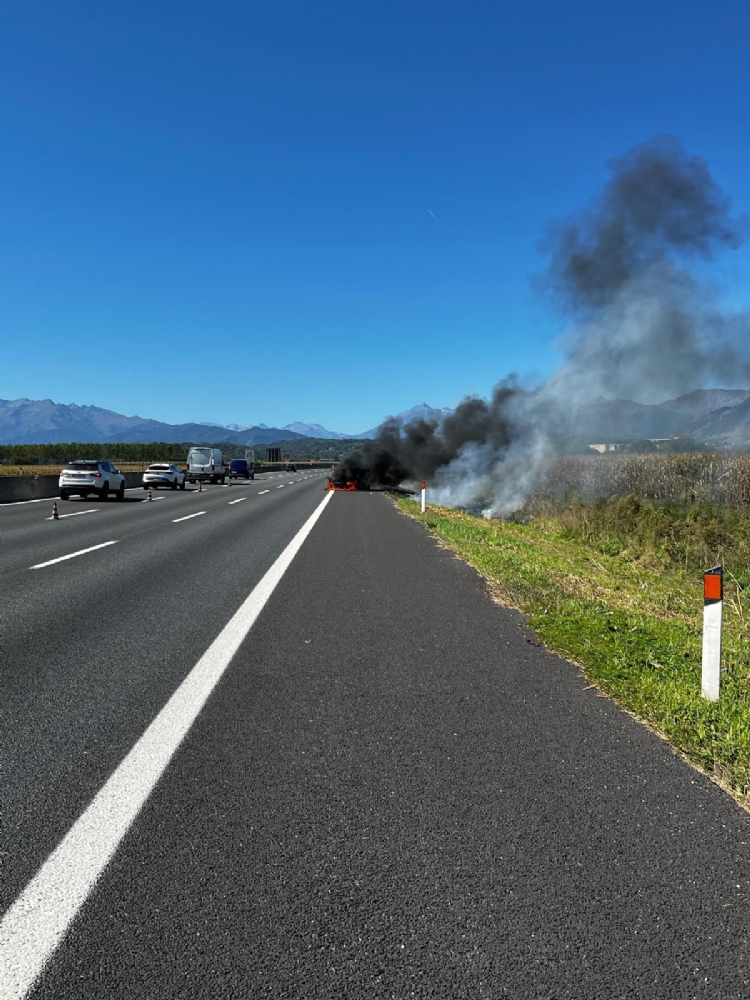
[635, 630]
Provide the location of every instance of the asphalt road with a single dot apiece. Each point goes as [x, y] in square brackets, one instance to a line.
[389, 791]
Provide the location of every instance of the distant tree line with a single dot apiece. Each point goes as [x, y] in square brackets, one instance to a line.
[298, 449]
[49, 454]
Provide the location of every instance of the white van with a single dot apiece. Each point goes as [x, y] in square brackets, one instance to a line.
[205, 464]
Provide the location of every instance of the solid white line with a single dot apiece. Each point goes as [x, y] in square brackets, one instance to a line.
[18, 503]
[72, 555]
[187, 517]
[152, 500]
[262, 492]
[75, 513]
[35, 924]
[238, 500]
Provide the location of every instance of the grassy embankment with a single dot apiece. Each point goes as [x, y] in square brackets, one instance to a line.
[617, 588]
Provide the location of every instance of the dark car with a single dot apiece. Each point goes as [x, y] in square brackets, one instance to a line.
[240, 469]
[290, 467]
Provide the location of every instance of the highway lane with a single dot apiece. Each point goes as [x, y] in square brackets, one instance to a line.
[92, 647]
[28, 536]
[391, 792]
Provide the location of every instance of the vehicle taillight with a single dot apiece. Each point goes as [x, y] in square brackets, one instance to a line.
[213, 467]
[97, 475]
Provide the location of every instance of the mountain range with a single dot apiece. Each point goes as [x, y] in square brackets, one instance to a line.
[42, 421]
[716, 417]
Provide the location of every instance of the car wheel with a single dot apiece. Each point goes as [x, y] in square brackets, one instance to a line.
[120, 495]
[182, 485]
[145, 487]
[174, 485]
[64, 495]
[104, 494]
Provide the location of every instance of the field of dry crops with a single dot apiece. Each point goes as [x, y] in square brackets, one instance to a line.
[722, 478]
[54, 470]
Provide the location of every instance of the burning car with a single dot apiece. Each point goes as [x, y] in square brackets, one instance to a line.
[343, 484]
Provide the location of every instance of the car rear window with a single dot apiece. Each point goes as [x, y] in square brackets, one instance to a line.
[82, 467]
[158, 468]
[201, 455]
[238, 464]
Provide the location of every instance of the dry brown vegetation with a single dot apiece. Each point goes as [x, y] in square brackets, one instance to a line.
[714, 477]
[54, 470]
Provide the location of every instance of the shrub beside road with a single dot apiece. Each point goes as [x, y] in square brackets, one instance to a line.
[628, 609]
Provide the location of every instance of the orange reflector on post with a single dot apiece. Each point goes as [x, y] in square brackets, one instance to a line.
[712, 586]
[423, 486]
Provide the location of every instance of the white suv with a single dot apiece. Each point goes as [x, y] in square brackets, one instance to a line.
[82, 477]
[163, 474]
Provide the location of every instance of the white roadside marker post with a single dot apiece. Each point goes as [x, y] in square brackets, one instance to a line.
[713, 597]
[149, 494]
[200, 485]
[55, 515]
[424, 497]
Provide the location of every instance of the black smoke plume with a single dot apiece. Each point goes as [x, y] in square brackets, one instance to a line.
[626, 274]
[420, 448]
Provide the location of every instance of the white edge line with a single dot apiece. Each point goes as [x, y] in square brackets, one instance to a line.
[72, 555]
[18, 503]
[174, 521]
[33, 927]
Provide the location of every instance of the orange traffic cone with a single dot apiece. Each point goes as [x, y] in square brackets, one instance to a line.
[55, 515]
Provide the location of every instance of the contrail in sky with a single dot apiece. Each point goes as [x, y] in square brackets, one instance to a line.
[433, 215]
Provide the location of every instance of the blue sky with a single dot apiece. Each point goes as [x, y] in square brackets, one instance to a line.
[325, 212]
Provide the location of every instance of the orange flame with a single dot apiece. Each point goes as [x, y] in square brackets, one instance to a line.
[350, 485]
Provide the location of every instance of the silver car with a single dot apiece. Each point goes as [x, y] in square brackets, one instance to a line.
[163, 474]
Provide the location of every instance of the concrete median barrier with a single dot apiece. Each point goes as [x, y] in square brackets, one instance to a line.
[14, 489]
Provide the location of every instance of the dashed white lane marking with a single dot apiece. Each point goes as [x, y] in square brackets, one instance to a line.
[262, 492]
[238, 500]
[175, 520]
[75, 513]
[280, 487]
[72, 555]
[35, 924]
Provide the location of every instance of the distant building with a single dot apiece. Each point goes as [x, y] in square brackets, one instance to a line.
[611, 446]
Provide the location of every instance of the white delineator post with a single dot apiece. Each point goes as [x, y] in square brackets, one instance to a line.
[424, 497]
[713, 597]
